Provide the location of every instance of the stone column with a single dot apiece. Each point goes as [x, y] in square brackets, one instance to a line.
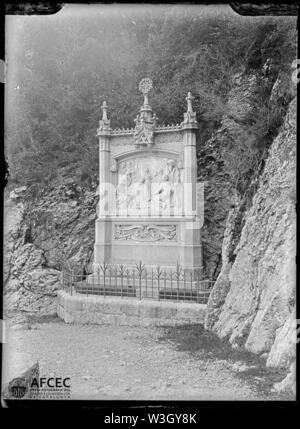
[102, 248]
[191, 255]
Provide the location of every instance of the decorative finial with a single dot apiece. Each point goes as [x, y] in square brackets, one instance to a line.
[190, 120]
[189, 100]
[145, 122]
[104, 108]
[104, 123]
[145, 87]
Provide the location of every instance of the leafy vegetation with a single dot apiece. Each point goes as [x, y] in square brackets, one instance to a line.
[61, 68]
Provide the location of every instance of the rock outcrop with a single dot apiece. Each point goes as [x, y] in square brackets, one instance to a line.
[41, 235]
[253, 300]
[220, 188]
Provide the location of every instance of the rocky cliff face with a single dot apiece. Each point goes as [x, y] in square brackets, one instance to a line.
[221, 190]
[253, 300]
[41, 235]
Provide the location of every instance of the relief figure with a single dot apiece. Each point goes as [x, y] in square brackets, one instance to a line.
[136, 177]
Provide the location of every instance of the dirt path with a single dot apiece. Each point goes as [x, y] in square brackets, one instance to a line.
[106, 362]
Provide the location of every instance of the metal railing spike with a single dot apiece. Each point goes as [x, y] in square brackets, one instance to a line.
[154, 282]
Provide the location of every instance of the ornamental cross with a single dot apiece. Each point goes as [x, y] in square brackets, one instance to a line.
[145, 85]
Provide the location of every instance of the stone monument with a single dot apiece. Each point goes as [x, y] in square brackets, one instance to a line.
[147, 208]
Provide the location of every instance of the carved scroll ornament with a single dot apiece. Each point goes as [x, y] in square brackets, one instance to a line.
[146, 232]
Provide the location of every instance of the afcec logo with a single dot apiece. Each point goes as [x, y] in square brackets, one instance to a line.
[51, 387]
[40, 388]
[51, 382]
[18, 388]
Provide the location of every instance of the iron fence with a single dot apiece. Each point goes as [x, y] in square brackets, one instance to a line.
[140, 282]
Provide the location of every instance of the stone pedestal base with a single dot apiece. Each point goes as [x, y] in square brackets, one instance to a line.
[162, 241]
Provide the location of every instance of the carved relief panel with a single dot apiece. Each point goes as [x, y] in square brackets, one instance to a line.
[145, 182]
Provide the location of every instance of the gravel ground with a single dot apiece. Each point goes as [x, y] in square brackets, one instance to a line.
[106, 362]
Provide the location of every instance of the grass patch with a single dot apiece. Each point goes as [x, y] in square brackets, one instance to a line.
[262, 379]
[196, 340]
[205, 345]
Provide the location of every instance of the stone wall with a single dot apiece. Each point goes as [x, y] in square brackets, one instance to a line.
[118, 311]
